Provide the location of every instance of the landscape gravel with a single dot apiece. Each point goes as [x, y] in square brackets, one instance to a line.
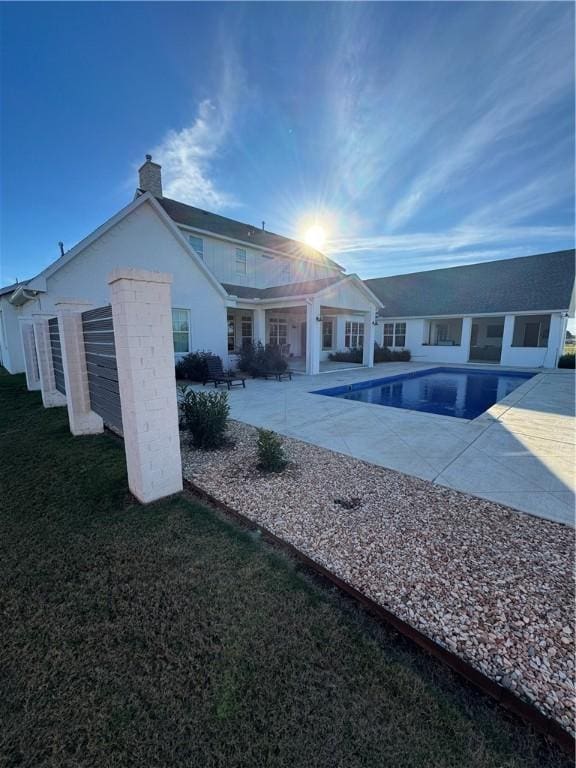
[493, 585]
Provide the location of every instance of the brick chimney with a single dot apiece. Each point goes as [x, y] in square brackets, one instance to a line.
[150, 177]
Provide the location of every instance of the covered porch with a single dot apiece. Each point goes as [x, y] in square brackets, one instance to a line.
[310, 328]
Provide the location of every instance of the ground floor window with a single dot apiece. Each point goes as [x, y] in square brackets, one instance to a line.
[531, 331]
[181, 330]
[231, 334]
[246, 330]
[394, 335]
[400, 335]
[354, 335]
[327, 334]
[278, 330]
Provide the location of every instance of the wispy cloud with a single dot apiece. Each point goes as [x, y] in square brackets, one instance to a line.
[188, 156]
[530, 78]
[396, 253]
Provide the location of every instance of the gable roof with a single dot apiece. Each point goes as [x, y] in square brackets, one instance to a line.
[38, 283]
[537, 283]
[12, 288]
[246, 233]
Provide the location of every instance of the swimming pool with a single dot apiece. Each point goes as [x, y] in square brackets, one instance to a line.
[456, 392]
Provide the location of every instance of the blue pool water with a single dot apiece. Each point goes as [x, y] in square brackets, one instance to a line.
[447, 391]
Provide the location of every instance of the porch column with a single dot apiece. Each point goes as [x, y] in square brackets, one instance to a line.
[466, 338]
[313, 328]
[369, 338]
[507, 336]
[51, 397]
[30, 357]
[83, 420]
[259, 327]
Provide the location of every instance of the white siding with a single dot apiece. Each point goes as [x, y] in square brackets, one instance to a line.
[143, 241]
[522, 357]
[263, 270]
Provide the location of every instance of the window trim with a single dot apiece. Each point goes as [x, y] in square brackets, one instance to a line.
[328, 320]
[354, 334]
[390, 330]
[199, 253]
[231, 324]
[245, 319]
[181, 333]
[241, 261]
[276, 323]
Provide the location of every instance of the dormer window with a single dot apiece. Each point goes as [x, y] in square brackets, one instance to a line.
[241, 261]
[197, 244]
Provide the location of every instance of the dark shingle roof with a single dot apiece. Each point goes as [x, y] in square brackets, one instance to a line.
[529, 283]
[258, 238]
[280, 291]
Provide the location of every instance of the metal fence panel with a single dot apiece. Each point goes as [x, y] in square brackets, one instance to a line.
[98, 330]
[56, 354]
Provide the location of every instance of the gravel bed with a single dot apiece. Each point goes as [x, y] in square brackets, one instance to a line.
[491, 584]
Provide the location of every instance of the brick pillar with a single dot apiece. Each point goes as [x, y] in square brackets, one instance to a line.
[83, 420]
[30, 356]
[50, 395]
[141, 309]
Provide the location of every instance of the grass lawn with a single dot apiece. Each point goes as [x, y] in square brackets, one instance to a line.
[168, 636]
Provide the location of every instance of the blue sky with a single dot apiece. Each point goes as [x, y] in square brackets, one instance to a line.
[419, 135]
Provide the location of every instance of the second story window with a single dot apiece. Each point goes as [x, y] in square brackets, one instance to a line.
[285, 272]
[241, 261]
[197, 244]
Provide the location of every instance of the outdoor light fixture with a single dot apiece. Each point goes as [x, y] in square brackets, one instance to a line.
[319, 318]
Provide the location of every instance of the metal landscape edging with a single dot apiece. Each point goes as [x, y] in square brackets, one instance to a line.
[546, 726]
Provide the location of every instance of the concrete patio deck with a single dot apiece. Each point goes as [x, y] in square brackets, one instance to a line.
[520, 453]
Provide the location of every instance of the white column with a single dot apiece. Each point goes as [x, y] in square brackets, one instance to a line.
[369, 337]
[30, 356]
[313, 329]
[83, 420]
[259, 325]
[556, 339]
[466, 338]
[50, 395]
[141, 309]
[507, 338]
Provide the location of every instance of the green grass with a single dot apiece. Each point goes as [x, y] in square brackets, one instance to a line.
[168, 636]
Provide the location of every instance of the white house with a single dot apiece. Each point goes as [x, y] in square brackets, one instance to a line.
[513, 312]
[232, 282]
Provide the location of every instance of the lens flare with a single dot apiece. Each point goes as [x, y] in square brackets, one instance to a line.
[316, 236]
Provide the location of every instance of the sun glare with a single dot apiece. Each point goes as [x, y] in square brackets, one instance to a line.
[316, 236]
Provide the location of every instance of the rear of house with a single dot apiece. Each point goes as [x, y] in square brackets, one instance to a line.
[513, 312]
[232, 283]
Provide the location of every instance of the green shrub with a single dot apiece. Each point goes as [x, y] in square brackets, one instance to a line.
[271, 455]
[205, 414]
[193, 366]
[381, 355]
[566, 361]
[349, 356]
[257, 359]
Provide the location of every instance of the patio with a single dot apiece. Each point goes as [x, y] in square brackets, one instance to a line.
[519, 453]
